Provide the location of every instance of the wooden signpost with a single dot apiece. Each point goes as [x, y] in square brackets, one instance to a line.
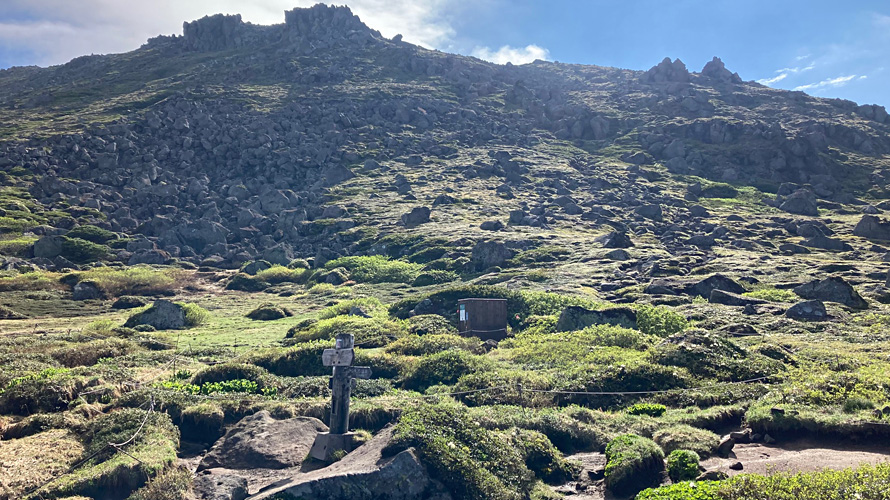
[340, 358]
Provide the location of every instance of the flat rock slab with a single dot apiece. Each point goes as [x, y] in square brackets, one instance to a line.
[262, 442]
[797, 456]
[364, 474]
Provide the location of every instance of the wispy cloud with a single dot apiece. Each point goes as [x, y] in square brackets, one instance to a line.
[785, 72]
[515, 55]
[881, 20]
[770, 81]
[831, 82]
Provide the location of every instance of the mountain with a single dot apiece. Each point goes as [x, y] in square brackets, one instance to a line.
[234, 139]
[186, 228]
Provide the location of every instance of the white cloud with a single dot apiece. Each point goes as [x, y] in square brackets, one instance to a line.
[785, 72]
[515, 55]
[770, 81]
[882, 20]
[56, 31]
[831, 82]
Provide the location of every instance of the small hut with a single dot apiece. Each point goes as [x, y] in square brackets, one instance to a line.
[483, 318]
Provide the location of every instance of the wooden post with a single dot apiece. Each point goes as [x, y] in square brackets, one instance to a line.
[340, 358]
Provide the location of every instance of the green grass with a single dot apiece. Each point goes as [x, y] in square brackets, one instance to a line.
[773, 295]
[16, 246]
[377, 269]
[632, 463]
[133, 280]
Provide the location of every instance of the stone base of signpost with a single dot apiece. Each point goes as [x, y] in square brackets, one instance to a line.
[326, 444]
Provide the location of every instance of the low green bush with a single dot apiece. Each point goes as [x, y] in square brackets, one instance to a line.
[370, 305]
[246, 283]
[709, 355]
[686, 437]
[472, 462]
[442, 368]
[152, 451]
[660, 321]
[369, 332]
[132, 280]
[542, 458]
[202, 422]
[232, 371]
[651, 409]
[301, 360]
[281, 274]
[89, 353]
[632, 464]
[698, 490]
[92, 233]
[195, 315]
[377, 269]
[682, 465]
[269, 312]
[434, 277]
[82, 251]
[174, 483]
[421, 345]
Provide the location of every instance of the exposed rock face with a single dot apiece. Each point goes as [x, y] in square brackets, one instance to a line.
[717, 70]
[801, 202]
[732, 299]
[365, 474]
[219, 487]
[488, 254]
[86, 290]
[417, 216]
[162, 315]
[615, 239]
[705, 287]
[832, 290]
[260, 441]
[667, 71]
[809, 310]
[217, 32]
[873, 228]
[577, 318]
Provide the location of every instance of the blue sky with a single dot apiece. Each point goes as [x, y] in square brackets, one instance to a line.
[825, 48]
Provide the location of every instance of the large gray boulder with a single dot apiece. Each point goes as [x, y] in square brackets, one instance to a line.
[808, 310]
[417, 216]
[801, 202]
[873, 228]
[162, 315]
[489, 254]
[262, 442]
[219, 487]
[715, 282]
[578, 318]
[48, 247]
[832, 289]
[364, 474]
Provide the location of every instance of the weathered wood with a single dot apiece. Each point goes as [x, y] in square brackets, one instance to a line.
[337, 357]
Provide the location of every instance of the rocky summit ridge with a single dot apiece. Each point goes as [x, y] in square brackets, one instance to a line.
[236, 141]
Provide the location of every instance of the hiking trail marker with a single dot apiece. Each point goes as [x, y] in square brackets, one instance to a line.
[341, 383]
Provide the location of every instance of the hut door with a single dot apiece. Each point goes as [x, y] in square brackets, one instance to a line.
[462, 317]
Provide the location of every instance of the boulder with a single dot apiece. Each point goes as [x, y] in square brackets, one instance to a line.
[725, 447]
[417, 216]
[577, 318]
[826, 243]
[219, 487]
[715, 282]
[652, 211]
[801, 202]
[48, 247]
[488, 254]
[128, 302]
[86, 290]
[335, 174]
[873, 228]
[153, 256]
[492, 225]
[615, 239]
[269, 312]
[809, 310]
[262, 442]
[716, 70]
[365, 474]
[833, 289]
[732, 299]
[162, 315]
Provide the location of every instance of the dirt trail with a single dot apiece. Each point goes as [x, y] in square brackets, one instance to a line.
[804, 455]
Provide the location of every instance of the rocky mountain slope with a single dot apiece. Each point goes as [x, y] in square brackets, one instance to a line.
[239, 141]
[684, 255]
